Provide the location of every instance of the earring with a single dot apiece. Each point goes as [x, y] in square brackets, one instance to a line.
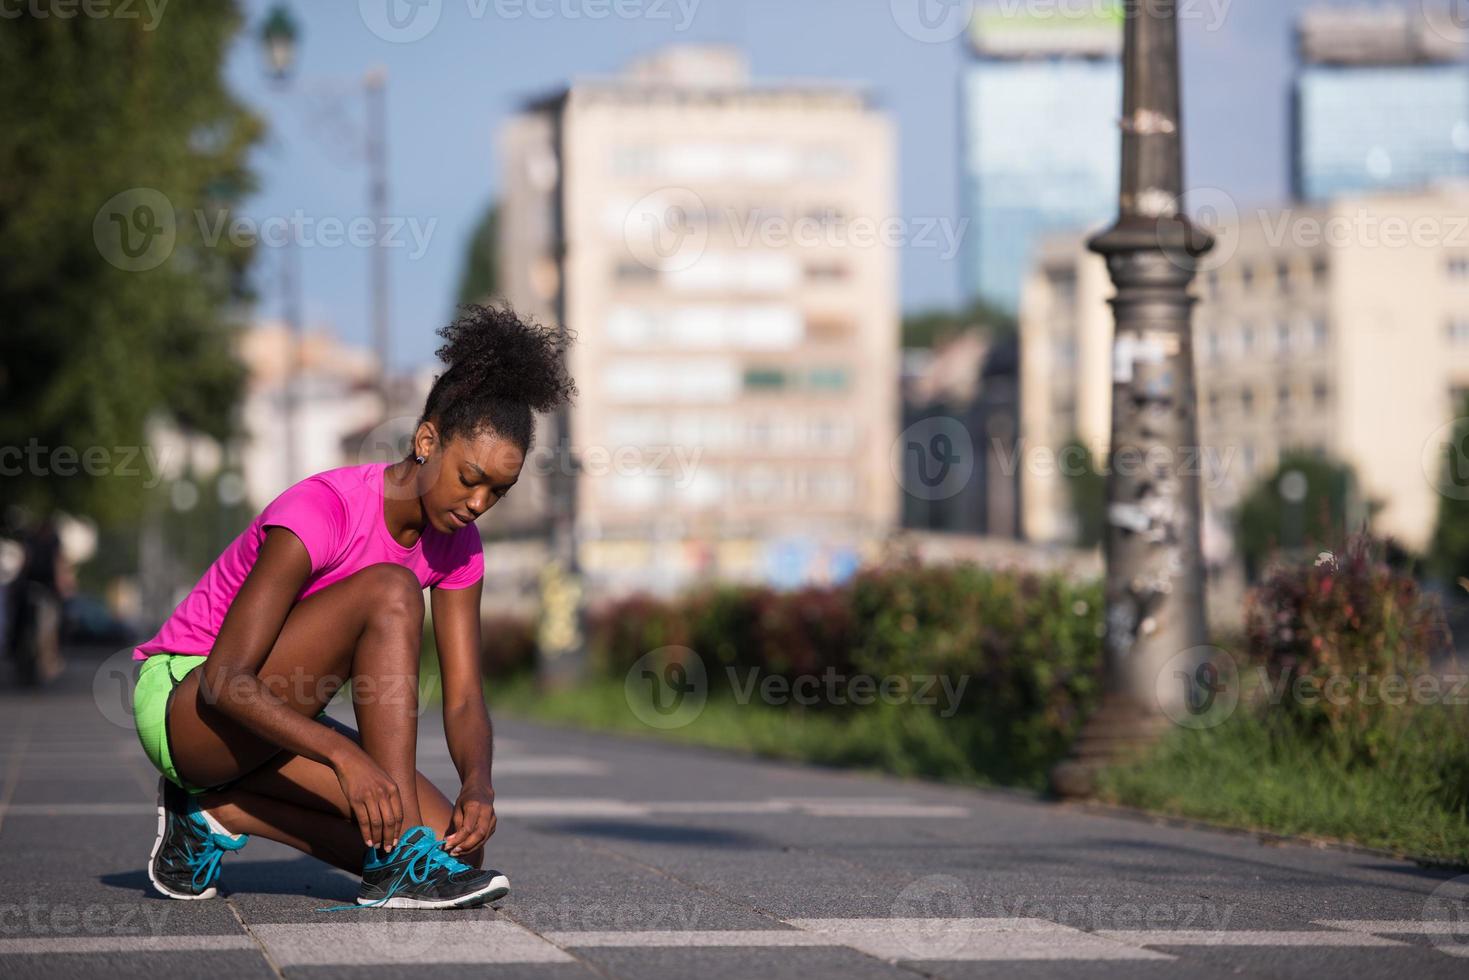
[422, 459]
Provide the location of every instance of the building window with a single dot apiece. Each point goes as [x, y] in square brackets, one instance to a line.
[635, 272]
[1282, 275]
[1246, 277]
[826, 271]
[827, 379]
[1247, 401]
[827, 328]
[1320, 272]
[1247, 339]
[1458, 330]
[1458, 267]
[1282, 400]
[1213, 344]
[1318, 332]
[764, 379]
[1282, 336]
[1320, 392]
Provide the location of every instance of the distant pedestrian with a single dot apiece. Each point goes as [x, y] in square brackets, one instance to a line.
[36, 595]
[324, 587]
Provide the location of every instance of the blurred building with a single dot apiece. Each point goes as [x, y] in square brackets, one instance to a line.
[337, 413]
[971, 380]
[1039, 103]
[714, 244]
[1381, 101]
[1342, 330]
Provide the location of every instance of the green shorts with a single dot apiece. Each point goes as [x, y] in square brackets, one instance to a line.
[157, 678]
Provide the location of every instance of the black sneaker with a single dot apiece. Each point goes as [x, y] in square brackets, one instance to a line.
[420, 874]
[186, 856]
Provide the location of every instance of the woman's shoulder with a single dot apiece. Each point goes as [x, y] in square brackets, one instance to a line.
[339, 490]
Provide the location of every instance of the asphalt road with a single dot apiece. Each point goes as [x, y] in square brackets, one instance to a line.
[630, 858]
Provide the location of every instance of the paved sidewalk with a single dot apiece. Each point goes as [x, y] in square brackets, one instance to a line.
[638, 859]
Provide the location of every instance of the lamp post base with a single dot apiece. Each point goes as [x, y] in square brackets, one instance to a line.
[1122, 729]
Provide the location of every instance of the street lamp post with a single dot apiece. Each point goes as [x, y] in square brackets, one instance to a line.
[278, 37]
[1154, 571]
[377, 193]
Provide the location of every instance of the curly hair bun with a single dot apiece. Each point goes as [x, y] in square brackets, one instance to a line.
[500, 367]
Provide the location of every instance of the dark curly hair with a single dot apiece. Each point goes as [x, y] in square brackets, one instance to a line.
[501, 368]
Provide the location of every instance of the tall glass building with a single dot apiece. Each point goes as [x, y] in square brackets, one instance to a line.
[1040, 102]
[1380, 104]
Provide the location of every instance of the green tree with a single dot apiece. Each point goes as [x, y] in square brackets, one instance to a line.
[927, 328]
[1086, 485]
[1267, 520]
[123, 155]
[1448, 554]
[479, 279]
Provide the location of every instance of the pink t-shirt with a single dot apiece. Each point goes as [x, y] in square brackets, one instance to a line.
[338, 515]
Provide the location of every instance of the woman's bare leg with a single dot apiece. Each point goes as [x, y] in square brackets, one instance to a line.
[298, 801]
[367, 627]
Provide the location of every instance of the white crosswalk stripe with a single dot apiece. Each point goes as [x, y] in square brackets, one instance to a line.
[971, 939]
[404, 940]
[409, 939]
[575, 806]
[120, 944]
[1405, 927]
[1243, 937]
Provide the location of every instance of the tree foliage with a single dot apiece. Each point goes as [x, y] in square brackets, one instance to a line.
[1448, 555]
[119, 133]
[929, 327]
[479, 279]
[1267, 522]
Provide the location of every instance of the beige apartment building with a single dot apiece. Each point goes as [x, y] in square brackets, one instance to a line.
[1341, 329]
[724, 251]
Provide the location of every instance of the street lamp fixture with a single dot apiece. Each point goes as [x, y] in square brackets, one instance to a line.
[278, 37]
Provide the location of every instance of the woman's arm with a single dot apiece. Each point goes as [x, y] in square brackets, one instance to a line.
[467, 726]
[230, 682]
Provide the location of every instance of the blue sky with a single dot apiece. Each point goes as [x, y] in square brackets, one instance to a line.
[450, 90]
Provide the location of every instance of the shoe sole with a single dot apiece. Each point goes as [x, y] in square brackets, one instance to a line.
[497, 889]
[209, 892]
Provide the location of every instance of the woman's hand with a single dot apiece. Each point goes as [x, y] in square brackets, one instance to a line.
[374, 799]
[473, 821]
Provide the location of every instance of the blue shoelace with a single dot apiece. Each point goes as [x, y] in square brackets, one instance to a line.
[423, 857]
[205, 861]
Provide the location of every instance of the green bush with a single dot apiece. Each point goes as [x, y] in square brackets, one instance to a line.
[507, 646]
[1028, 643]
[1024, 647]
[1353, 636]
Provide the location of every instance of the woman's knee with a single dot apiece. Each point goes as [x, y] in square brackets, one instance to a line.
[393, 594]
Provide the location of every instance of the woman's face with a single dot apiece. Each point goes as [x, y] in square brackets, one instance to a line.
[465, 477]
